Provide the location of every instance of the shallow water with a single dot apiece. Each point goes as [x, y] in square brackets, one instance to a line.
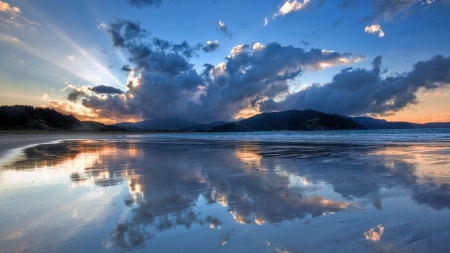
[258, 192]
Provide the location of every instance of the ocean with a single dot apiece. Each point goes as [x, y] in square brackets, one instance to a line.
[327, 191]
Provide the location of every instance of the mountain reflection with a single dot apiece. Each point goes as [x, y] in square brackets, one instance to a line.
[257, 183]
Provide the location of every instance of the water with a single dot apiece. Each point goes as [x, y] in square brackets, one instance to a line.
[343, 191]
[344, 136]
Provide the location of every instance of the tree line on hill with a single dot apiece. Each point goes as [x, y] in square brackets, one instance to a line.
[25, 117]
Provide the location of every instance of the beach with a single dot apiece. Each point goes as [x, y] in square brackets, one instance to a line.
[244, 192]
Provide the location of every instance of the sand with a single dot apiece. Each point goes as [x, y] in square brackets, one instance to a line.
[12, 143]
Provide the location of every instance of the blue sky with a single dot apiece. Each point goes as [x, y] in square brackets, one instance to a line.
[51, 48]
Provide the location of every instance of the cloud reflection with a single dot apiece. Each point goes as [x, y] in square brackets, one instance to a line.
[256, 183]
[374, 234]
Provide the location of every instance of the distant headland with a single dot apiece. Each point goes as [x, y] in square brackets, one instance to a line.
[29, 118]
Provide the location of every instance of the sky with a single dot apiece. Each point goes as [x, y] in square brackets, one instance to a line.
[208, 60]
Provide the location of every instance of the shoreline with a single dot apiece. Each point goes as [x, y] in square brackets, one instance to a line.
[10, 143]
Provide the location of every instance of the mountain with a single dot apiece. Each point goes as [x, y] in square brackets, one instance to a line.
[307, 120]
[204, 127]
[433, 125]
[371, 123]
[23, 117]
[157, 124]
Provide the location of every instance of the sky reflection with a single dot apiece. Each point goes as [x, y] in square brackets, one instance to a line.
[142, 194]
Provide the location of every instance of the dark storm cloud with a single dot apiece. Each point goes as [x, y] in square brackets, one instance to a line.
[126, 30]
[224, 29]
[361, 91]
[211, 46]
[106, 89]
[126, 68]
[184, 48]
[75, 95]
[145, 3]
[166, 84]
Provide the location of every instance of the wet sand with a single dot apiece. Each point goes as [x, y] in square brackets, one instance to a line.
[13, 142]
[143, 194]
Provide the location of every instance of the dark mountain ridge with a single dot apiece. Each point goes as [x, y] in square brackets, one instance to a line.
[307, 120]
[24, 117]
[158, 124]
[168, 125]
[371, 123]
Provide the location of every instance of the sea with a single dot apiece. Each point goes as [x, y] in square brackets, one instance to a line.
[280, 191]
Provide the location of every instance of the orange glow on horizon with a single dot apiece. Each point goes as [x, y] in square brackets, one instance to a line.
[86, 114]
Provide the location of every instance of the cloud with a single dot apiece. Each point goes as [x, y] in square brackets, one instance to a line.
[374, 29]
[7, 38]
[436, 196]
[388, 9]
[126, 68]
[266, 21]
[362, 91]
[11, 15]
[145, 3]
[75, 95]
[105, 89]
[224, 29]
[5, 7]
[291, 6]
[101, 26]
[211, 46]
[306, 43]
[125, 30]
[164, 84]
[80, 112]
[77, 92]
[374, 235]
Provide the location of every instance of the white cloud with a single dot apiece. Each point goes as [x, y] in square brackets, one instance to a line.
[5, 7]
[45, 96]
[291, 6]
[237, 49]
[12, 16]
[257, 46]
[266, 21]
[101, 26]
[374, 29]
[324, 51]
[8, 38]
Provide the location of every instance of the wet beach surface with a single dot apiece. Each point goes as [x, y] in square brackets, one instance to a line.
[200, 195]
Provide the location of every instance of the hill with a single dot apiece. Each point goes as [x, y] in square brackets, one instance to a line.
[23, 117]
[157, 124]
[371, 123]
[169, 125]
[307, 120]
